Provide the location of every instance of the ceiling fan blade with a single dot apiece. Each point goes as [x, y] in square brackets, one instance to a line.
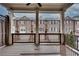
[28, 3]
[39, 4]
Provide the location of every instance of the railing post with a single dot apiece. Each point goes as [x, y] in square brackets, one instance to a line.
[77, 42]
[34, 39]
[12, 39]
[39, 38]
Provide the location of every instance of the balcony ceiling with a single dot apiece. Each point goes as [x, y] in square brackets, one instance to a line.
[32, 6]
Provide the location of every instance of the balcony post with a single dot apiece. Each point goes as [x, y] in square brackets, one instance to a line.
[62, 46]
[62, 28]
[10, 15]
[7, 30]
[37, 26]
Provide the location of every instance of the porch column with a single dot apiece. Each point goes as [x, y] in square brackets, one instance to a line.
[7, 30]
[37, 26]
[10, 12]
[62, 28]
[62, 46]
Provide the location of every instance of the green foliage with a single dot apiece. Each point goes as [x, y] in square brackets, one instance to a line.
[70, 40]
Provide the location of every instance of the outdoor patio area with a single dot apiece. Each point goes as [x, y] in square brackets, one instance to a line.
[25, 49]
[36, 29]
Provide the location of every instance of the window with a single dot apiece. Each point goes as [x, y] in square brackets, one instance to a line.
[51, 22]
[54, 28]
[65, 29]
[51, 29]
[54, 22]
[57, 22]
[22, 22]
[57, 29]
[22, 29]
[76, 22]
[66, 22]
[43, 22]
[41, 29]
[70, 22]
[40, 22]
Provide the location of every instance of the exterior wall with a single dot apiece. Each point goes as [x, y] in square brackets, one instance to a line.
[52, 26]
[68, 26]
[77, 28]
[41, 26]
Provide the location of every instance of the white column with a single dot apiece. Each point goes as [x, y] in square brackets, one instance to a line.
[10, 17]
[62, 27]
[62, 46]
[37, 26]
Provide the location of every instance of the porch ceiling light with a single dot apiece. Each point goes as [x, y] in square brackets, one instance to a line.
[39, 4]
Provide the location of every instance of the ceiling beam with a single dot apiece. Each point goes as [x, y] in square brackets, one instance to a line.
[33, 9]
[28, 11]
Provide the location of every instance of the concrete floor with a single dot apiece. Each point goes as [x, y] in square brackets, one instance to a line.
[24, 49]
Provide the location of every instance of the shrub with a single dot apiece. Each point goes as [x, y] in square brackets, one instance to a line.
[70, 40]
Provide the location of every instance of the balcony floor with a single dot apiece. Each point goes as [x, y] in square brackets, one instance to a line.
[24, 49]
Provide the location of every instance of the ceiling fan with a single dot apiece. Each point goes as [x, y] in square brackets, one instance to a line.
[39, 4]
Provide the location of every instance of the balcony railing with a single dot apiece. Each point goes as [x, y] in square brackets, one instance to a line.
[49, 37]
[71, 51]
[23, 38]
[31, 38]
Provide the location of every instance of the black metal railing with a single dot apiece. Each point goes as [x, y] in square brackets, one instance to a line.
[77, 41]
[43, 38]
[49, 37]
[18, 38]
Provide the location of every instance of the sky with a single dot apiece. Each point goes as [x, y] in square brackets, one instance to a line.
[72, 11]
[3, 10]
[43, 16]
